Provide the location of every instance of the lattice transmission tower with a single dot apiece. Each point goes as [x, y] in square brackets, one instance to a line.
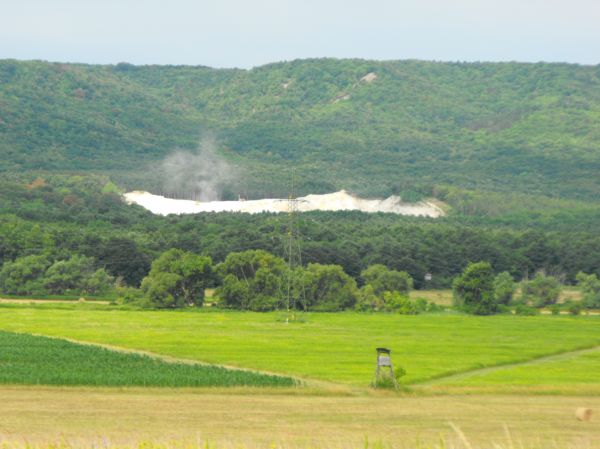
[294, 294]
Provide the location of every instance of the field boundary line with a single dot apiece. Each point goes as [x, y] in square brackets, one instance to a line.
[300, 381]
[564, 355]
[51, 301]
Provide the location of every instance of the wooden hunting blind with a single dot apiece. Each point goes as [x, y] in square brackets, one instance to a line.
[385, 369]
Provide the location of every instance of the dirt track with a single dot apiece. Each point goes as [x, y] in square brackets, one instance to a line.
[47, 301]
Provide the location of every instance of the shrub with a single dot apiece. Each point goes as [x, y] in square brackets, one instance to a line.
[504, 288]
[382, 279]
[525, 310]
[474, 289]
[131, 295]
[589, 284]
[421, 305]
[574, 307]
[504, 309]
[542, 290]
[386, 381]
[398, 303]
[555, 309]
[367, 300]
[432, 307]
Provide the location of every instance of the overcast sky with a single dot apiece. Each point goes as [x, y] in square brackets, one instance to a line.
[238, 33]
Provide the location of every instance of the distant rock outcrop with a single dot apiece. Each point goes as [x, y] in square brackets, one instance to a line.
[369, 77]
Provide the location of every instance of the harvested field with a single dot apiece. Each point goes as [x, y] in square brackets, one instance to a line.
[252, 419]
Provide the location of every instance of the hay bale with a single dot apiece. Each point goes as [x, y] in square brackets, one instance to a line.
[583, 414]
[82, 299]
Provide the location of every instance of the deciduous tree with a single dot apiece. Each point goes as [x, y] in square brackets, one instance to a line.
[382, 279]
[474, 289]
[178, 278]
[589, 284]
[542, 290]
[252, 280]
[328, 288]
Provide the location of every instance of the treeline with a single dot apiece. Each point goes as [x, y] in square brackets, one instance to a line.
[39, 275]
[59, 217]
[256, 280]
[73, 235]
[249, 280]
[351, 240]
[478, 291]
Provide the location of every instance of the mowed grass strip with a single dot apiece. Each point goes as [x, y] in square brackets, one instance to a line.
[29, 360]
[338, 347]
[577, 370]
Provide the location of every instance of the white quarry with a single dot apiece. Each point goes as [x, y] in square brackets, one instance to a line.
[336, 201]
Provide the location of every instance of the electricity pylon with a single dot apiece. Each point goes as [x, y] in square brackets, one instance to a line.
[293, 252]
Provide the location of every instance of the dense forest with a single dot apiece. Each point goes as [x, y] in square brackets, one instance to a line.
[85, 215]
[510, 150]
[371, 127]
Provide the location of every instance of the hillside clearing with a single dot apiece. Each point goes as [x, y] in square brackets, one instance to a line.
[337, 201]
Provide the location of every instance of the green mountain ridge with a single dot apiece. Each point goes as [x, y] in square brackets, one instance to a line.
[408, 128]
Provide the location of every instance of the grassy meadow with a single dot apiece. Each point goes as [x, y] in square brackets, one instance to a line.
[579, 368]
[329, 347]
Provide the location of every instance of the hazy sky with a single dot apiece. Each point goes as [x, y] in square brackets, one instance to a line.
[238, 33]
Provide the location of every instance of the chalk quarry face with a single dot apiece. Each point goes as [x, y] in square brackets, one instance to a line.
[337, 201]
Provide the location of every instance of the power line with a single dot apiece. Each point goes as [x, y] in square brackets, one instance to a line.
[293, 252]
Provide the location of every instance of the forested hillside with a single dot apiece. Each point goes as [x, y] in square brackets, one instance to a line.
[512, 149]
[371, 127]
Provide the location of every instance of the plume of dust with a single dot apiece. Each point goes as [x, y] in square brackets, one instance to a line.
[201, 175]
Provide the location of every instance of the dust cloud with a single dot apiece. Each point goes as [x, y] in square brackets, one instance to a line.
[201, 175]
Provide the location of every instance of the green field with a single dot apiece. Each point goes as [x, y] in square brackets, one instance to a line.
[35, 360]
[578, 369]
[332, 347]
[509, 358]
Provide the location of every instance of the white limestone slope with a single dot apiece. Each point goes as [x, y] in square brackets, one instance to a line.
[336, 201]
